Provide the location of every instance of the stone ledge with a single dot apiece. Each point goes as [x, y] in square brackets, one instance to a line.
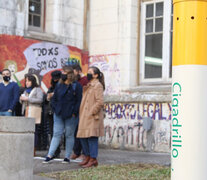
[17, 124]
[142, 94]
[42, 36]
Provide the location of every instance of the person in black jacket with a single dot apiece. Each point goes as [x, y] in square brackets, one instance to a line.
[65, 104]
[47, 120]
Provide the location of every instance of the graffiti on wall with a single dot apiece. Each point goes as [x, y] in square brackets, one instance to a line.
[136, 111]
[24, 56]
[108, 65]
[124, 126]
[122, 134]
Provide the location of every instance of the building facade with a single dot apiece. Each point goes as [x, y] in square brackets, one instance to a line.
[129, 40]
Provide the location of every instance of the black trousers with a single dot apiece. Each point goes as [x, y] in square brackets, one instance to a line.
[77, 148]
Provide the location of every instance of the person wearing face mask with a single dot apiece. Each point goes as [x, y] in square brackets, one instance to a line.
[65, 104]
[48, 121]
[91, 116]
[82, 79]
[9, 94]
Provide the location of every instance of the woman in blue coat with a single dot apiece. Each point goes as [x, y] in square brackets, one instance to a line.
[65, 104]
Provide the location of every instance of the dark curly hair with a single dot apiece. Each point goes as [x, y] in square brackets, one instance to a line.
[31, 78]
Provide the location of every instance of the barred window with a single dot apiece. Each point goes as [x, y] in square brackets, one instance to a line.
[156, 41]
[36, 13]
[153, 40]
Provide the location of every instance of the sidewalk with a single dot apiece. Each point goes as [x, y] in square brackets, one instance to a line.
[106, 156]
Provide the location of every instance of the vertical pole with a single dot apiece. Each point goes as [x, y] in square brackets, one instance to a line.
[189, 91]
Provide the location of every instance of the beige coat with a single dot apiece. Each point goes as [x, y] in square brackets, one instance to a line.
[91, 111]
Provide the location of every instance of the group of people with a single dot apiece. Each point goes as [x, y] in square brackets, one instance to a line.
[75, 108]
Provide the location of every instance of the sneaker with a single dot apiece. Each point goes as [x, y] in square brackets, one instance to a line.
[47, 160]
[66, 160]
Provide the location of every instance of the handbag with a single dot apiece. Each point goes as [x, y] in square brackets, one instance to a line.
[35, 112]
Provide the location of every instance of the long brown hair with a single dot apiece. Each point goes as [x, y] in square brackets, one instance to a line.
[69, 70]
[100, 75]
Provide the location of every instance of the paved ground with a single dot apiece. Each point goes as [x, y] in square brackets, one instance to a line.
[106, 156]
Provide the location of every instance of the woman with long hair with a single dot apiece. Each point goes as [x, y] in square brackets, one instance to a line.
[65, 104]
[91, 116]
[31, 100]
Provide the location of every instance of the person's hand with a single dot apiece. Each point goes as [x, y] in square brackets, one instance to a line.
[9, 110]
[49, 96]
[24, 98]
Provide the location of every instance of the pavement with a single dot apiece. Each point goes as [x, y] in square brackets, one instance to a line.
[106, 156]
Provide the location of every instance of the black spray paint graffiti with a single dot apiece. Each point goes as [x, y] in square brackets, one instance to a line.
[125, 135]
[46, 51]
[137, 111]
[50, 63]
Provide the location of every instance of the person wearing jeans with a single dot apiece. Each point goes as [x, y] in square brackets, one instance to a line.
[91, 116]
[65, 104]
[69, 125]
[82, 79]
[90, 146]
[7, 113]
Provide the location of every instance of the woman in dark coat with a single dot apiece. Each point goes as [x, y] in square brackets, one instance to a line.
[65, 104]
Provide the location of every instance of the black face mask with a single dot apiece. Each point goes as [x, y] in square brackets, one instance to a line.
[64, 77]
[6, 78]
[89, 76]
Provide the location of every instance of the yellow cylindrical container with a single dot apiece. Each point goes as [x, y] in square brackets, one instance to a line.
[189, 91]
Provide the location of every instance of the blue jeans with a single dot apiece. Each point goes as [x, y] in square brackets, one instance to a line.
[6, 113]
[69, 125]
[90, 146]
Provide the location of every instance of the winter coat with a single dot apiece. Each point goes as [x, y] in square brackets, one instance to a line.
[66, 99]
[34, 105]
[91, 111]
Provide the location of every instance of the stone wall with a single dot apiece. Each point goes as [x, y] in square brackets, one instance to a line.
[13, 17]
[113, 42]
[64, 21]
[126, 126]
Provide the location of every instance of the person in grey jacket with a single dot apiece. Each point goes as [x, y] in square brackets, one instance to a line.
[32, 99]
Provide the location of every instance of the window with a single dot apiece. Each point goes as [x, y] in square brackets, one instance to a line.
[155, 57]
[36, 14]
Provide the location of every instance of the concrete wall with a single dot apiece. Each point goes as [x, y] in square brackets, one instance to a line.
[63, 21]
[64, 18]
[125, 129]
[113, 41]
[13, 17]
[16, 148]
